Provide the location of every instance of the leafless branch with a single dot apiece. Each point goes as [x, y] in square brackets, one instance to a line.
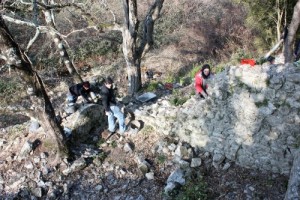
[56, 6]
[26, 3]
[25, 23]
[17, 21]
[79, 30]
[37, 33]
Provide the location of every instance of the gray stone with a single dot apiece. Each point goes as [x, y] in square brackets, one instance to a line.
[143, 167]
[226, 166]
[128, 148]
[38, 192]
[196, 162]
[34, 126]
[177, 176]
[28, 165]
[25, 150]
[150, 175]
[77, 165]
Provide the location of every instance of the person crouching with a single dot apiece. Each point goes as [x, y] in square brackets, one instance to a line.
[201, 82]
[111, 109]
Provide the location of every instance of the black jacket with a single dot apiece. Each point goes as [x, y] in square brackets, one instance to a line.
[78, 90]
[108, 97]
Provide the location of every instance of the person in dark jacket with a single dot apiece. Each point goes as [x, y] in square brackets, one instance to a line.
[80, 89]
[201, 81]
[111, 109]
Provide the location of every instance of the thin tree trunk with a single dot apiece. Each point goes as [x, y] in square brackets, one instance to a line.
[292, 30]
[279, 19]
[44, 111]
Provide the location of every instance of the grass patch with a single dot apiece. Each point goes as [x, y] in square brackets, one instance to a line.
[147, 130]
[151, 86]
[8, 90]
[178, 98]
[177, 101]
[114, 144]
[100, 142]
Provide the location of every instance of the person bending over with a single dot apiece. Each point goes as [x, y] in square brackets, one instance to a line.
[80, 89]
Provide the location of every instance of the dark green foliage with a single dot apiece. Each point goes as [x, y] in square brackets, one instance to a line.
[263, 17]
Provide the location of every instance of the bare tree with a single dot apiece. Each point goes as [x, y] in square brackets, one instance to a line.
[133, 52]
[292, 30]
[43, 109]
[135, 48]
[47, 6]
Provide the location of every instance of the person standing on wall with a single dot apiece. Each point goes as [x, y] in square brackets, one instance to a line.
[111, 109]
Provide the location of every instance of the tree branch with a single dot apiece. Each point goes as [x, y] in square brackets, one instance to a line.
[17, 21]
[151, 17]
[56, 6]
[37, 33]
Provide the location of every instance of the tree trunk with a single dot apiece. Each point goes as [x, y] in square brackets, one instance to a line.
[292, 30]
[62, 50]
[293, 190]
[132, 52]
[15, 57]
[129, 34]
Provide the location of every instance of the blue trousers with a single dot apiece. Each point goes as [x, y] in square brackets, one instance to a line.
[115, 112]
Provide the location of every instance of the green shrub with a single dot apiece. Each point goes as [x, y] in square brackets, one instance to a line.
[178, 98]
[218, 68]
[193, 190]
[152, 86]
[114, 144]
[9, 87]
[170, 78]
[177, 101]
[161, 159]
[239, 54]
[262, 103]
[194, 70]
[100, 142]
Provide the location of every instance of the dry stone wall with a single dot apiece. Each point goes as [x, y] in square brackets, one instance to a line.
[251, 117]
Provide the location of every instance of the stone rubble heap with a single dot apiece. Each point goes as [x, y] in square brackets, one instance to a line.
[251, 118]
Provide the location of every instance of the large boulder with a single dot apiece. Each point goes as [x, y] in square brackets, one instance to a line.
[84, 120]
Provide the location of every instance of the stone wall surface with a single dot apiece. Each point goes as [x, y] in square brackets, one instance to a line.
[252, 117]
